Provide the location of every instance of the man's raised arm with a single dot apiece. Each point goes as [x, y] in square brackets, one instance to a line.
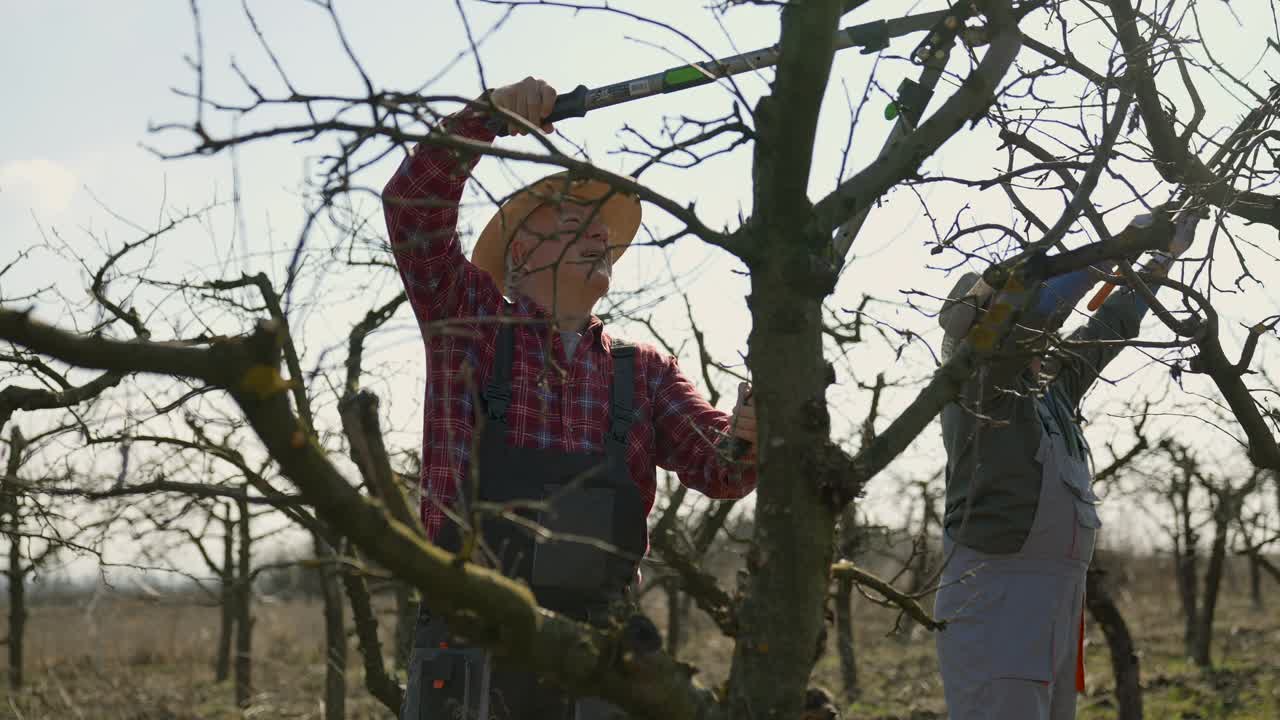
[1119, 319]
[420, 203]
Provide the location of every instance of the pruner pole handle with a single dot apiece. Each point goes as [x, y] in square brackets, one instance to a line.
[1101, 296]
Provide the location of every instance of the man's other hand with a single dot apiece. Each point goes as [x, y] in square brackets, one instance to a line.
[1184, 233]
[743, 423]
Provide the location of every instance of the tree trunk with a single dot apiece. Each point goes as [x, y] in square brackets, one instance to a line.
[1255, 582]
[1124, 661]
[17, 609]
[1187, 582]
[222, 668]
[793, 548]
[406, 621]
[1212, 584]
[244, 620]
[920, 569]
[675, 622]
[335, 677]
[1187, 576]
[686, 608]
[844, 637]
[848, 548]
[381, 685]
[791, 272]
[16, 574]
[794, 538]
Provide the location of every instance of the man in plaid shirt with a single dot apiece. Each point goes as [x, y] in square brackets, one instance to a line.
[550, 403]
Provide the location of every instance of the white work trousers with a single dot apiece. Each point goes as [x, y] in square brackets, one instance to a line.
[1009, 650]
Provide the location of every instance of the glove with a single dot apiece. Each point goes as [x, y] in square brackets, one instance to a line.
[1184, 233]
[1142, 221]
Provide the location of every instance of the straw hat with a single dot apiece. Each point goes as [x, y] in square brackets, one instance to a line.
[620, 212]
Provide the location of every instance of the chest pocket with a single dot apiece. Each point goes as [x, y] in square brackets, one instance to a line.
[1072, 469]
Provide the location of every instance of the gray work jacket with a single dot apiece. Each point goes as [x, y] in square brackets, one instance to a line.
[993, 476]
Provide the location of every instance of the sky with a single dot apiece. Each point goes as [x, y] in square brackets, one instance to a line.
[80, 174]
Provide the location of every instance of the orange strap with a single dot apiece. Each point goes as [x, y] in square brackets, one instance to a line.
[1080, 656]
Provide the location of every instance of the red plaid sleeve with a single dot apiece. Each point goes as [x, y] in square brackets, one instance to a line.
[688, 430]
[420, 203]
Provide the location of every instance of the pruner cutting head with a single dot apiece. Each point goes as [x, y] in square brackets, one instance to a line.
[1189, 212]
[937, 42]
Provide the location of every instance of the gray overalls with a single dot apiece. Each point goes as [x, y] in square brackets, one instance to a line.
[1020, 524]
[1009, 650]
[586, 495]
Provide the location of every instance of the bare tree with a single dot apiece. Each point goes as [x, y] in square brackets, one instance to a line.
[848, 548]
[1125, 658]
[1200, 499]
[36, 531]
[226, 594]
[1100, 596]
[16, 572]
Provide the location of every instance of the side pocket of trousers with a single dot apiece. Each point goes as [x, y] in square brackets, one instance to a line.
[445, 682]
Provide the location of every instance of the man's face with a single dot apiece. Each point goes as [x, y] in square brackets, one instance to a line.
[564, 249]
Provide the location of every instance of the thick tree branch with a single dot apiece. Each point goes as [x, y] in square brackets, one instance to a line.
[699, 585]
[908, 603]
[122, 356]
[280, 500]
[969, 103]
[1173, 156]
[482, 605]
[381, 685]
[14, 398]
[364, 434]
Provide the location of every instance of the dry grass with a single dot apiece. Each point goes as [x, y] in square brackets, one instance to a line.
[150, 661]
[142, 661]
[898, 676]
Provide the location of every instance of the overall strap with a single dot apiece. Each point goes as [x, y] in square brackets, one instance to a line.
[497, 395]
[622, 406]
[1066, 416]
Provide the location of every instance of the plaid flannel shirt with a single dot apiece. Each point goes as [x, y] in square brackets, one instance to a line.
[558, 403]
